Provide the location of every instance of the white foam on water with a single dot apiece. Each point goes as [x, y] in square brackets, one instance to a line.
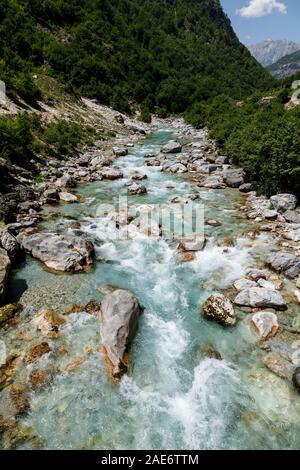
[171, 339]
[199, 418]
[226, 265]
[206, 409]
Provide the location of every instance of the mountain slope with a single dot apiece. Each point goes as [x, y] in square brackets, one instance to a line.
[268, 52]
[162, 54]
[286, 66]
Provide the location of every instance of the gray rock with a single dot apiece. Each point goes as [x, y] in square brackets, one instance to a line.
[112, 173]
[177, 168]
[171, 147]
[279, 365]
[266, 324]
[120, 313]
[213, 182]
[234, 178]
[222, 160]
[9, 243]
[4, 271]
[292, 217]
[258, 297]
[84, 161]
[247, 187]
[218, 307]
[120, 152]
[66, 181]
[68, 197]
[283, 202]
[270, 214]
[243, 284]
[59, 252]
[51, 196]
[256, 274]
[136, 189]
[285, 263]
[195, 243]
[292, 232]
[137, 176]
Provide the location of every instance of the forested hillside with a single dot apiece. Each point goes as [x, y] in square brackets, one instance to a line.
[164, 55]
[261, 134]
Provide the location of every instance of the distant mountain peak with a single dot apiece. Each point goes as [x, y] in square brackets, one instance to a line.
[270, 51]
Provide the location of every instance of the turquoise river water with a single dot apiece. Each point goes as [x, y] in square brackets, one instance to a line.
[173, 396]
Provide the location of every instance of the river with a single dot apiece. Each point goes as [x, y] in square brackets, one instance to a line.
[174, 397]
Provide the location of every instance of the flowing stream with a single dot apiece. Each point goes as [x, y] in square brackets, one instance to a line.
[174, 397]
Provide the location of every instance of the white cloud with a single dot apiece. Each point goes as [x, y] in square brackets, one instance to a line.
[257, 8]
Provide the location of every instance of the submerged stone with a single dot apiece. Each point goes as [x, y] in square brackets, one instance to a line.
[48, 321]
[36, 352]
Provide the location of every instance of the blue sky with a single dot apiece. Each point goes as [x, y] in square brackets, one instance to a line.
[256, 20]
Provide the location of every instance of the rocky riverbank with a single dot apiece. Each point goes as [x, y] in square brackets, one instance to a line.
[268, 296]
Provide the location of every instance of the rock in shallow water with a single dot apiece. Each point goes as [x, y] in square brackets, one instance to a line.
[120, 313]
[136, 189]
[218, 307]
[266, 324]
[48, 321]
[258, 297]
[279, 365]
[60, 252]
[171, 147]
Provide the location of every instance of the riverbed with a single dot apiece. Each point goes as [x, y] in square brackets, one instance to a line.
[174, 395]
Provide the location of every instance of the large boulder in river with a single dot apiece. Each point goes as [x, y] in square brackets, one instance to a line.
[283, 202]
[259, 297]
[171, 147]
[60, 252]
[285, 263]
[4, 271]
[218, 307]
[119, 313]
